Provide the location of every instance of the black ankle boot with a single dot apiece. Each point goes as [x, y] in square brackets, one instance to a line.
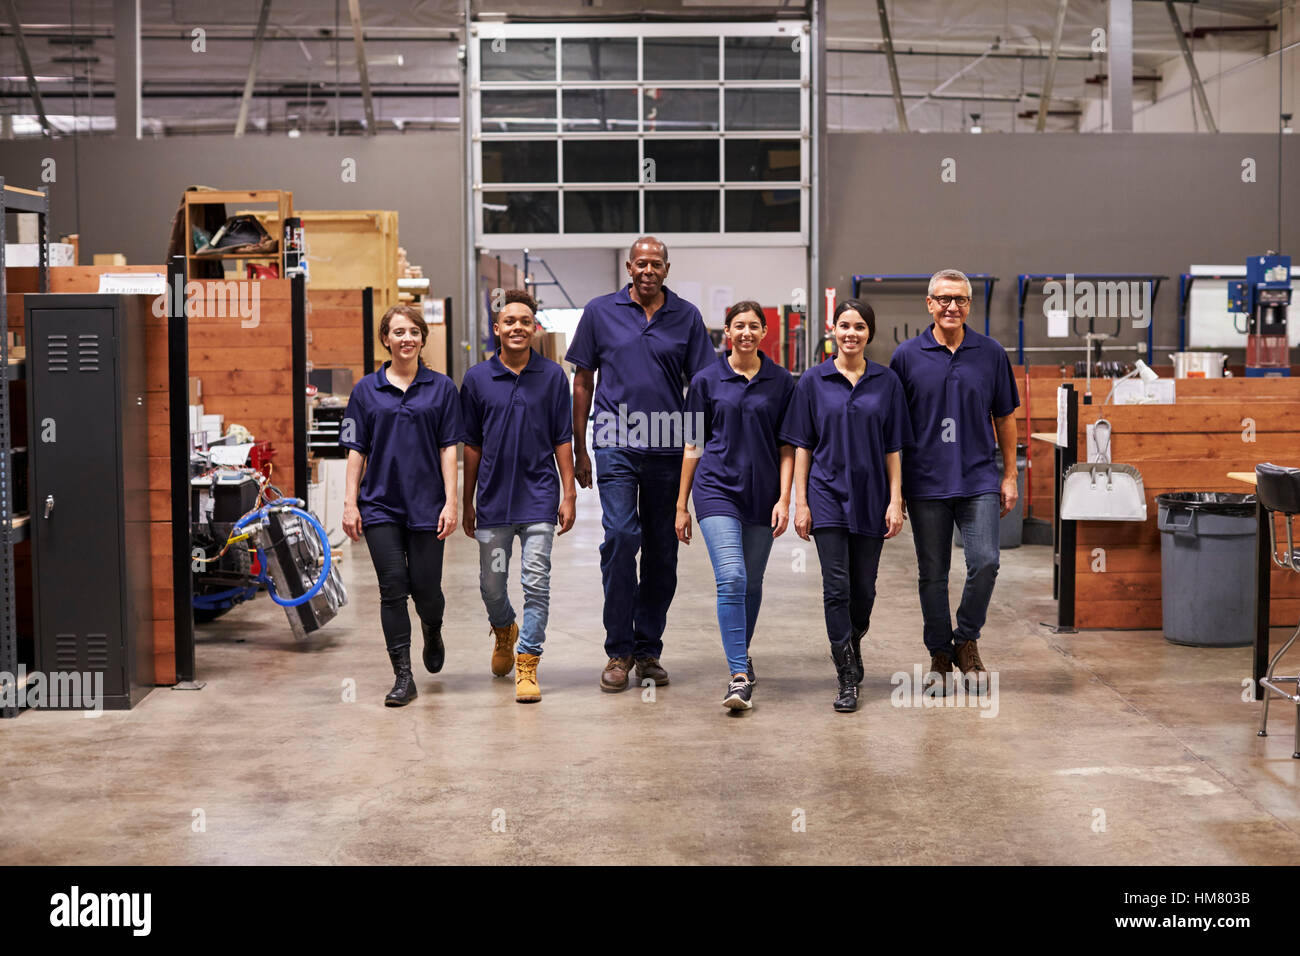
[858, 672]
[434, 651]
[403, 691]
[846, 669]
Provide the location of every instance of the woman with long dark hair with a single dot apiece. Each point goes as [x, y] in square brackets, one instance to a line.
[739, 473]
[401, 429]
[848, 421]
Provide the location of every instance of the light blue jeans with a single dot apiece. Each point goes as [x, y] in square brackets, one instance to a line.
[494, 547]
[739, 554]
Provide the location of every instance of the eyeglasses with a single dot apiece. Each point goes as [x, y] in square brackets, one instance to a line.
[961, 301]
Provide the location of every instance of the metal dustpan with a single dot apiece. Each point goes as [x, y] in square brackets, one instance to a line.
[1102, 491]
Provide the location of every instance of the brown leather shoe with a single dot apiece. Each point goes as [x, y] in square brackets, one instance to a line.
[940, 668]
[614, 677]
[969, 663]
[651, 668]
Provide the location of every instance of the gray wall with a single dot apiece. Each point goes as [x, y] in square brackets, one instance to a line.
[124, 192]
[1024, 203]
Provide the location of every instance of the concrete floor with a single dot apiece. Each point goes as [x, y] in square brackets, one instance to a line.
[1106, 747]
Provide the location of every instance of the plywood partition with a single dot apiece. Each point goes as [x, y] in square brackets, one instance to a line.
[246, 361]
[1217, 426]
[335, 329]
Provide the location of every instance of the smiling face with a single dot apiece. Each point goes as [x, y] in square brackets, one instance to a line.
[851, 333]
[952, 316]
[404, 338]
[745, 331]
[648, 268]
[515, 325]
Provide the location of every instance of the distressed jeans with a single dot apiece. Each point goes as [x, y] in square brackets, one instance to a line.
[494, 547]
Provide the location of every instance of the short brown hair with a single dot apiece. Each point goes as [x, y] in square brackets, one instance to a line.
[406, 311]
[521, 296]
[740, 308]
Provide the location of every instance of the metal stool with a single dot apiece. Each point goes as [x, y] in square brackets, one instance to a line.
[1278, 492]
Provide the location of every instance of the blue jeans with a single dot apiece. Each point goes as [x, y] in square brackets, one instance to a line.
[494, 546]
[739, 554]
[849, 563]
[638, 503]
[932, 523]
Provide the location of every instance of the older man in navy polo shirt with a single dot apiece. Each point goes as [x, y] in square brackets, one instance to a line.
[647, 344]
[962, 397]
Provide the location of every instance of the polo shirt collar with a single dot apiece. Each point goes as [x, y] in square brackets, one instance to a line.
[828, 369]
[499, 369]
[671, 301]
[766, 367]
[422, 374]
[928, 341]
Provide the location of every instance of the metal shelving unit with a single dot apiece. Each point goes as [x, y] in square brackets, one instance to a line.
[14, 528]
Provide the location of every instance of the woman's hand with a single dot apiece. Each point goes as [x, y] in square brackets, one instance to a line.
[802, 521]
[447, 521]
[894, 518]
[683, 526]
[780, 518]
[351, 521]
[469, 521]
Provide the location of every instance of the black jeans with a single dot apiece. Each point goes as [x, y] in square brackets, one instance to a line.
[409, 563]
[849, 565]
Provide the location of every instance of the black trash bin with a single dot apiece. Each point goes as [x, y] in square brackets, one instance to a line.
[1207, 568]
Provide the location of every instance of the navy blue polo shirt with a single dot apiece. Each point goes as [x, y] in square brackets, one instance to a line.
[952, 398]
[850, 429]
[644, 368]
[517, 420]
[739, 474]
[402, 435]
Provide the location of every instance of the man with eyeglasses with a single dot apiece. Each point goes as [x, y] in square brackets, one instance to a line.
[962, 398]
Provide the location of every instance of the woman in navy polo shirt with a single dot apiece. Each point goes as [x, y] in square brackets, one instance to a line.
[741, 477]
[849, 422]
[401, 429]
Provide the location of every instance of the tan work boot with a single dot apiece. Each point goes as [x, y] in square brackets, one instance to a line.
[527, 689]
[503, 654]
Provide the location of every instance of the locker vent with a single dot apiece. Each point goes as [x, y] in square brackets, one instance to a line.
[88, 352]
[65, 652]
[56, 351]
[97, 652]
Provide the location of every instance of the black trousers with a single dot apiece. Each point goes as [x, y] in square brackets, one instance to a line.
[849, 565]
[409, 564]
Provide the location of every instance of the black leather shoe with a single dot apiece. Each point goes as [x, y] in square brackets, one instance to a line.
[858, 671]
[434, 651]
[846, 700]
[403, 691]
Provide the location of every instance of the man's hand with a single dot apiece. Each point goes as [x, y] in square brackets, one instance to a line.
[1010, 492]
[894, 518]
[780, 518]
[581, 466]
[352, 522]
[447, 521]
[568, 511]
[470, 520]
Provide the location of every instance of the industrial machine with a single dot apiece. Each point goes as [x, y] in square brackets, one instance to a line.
[1263, 297]
[246, 536]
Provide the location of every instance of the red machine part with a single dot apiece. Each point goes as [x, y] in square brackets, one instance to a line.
[260, 457]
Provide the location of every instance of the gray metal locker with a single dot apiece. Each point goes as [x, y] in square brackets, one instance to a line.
[89, 490]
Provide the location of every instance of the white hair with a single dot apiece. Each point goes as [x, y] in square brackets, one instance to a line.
[953, 275]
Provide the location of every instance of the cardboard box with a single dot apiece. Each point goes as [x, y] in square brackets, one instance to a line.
[196, 391]
[110, 259]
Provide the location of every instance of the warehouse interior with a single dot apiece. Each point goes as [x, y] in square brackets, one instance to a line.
[808, 151]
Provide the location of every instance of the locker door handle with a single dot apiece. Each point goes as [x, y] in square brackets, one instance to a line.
[49, 505]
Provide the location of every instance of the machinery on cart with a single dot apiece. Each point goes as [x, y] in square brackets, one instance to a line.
[246, 536]
[1264, 297]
